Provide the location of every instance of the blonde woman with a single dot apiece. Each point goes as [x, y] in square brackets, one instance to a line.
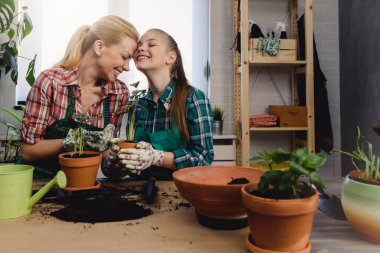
[83, 82]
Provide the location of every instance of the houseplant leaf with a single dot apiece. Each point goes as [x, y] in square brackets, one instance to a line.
[30, 72]
[12, 113]
[7, 8]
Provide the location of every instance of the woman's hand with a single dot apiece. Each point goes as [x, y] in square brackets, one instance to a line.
[140, 158]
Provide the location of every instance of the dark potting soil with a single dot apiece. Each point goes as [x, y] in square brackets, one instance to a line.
[106, 204]
[77, 155]
[277, 194]
[241, 180]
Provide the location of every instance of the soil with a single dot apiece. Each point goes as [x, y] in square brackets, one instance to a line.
[241, 180]
[280, 194]
[354, 175]
[77, 155]
[110, 203]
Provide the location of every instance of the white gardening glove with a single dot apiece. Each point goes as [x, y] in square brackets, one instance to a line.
[93, 140]
[140, 158]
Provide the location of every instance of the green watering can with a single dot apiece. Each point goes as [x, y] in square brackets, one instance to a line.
[16, 190]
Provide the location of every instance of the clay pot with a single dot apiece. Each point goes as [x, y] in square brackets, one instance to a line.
[127, 144]
[81, 172]
[361, 204]
[217, 204]
[254, 249]
[279, 225]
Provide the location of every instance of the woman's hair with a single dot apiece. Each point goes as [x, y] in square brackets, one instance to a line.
[109, 29]
[181, 84]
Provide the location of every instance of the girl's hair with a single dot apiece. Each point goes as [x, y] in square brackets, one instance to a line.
[109, 29]
[181, 84]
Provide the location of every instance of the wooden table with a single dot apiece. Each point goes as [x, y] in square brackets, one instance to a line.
[166, 230]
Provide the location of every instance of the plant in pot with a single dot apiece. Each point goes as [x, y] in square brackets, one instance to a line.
[80, 166]
[130, 110]
[361, 190]
[218, 116]
[12, 142]
[281, 207]
[9, 48]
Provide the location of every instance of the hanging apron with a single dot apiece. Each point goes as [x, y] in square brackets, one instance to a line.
[165, 140]
[48, 168]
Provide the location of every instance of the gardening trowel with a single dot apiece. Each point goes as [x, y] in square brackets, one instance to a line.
[330, 205]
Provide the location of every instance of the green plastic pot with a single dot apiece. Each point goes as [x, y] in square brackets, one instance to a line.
[16, 190]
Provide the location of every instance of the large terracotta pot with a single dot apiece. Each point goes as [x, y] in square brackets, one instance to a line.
[279, 225]
[217, 204]
[361, 204]
[81, 172]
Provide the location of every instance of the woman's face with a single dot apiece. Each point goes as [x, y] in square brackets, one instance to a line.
[152, 52]
[115, 59]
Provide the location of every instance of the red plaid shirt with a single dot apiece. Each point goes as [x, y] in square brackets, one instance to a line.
[48, 101]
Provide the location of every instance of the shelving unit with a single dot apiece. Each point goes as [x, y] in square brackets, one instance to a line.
[241, 80]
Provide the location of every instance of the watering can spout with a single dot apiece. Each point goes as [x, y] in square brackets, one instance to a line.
[59, 179]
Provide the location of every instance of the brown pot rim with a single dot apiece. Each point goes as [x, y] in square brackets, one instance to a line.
[178, 172]
[354, 176]
[61, 156]
[271, 206]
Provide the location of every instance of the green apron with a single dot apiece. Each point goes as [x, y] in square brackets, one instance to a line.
[48, 167]
[165, 140]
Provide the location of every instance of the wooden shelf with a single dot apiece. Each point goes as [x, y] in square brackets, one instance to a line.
[277, 129]
[276, 63]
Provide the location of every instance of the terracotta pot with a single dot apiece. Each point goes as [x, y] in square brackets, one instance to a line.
[279, 225]
[126, 144]
[80, 172]
[361, 204]
[207, 189]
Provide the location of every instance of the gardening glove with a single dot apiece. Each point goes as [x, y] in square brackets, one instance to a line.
[140, 158]
[93, 140]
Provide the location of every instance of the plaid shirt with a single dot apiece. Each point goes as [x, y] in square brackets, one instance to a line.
[200, 150]
[48, 101]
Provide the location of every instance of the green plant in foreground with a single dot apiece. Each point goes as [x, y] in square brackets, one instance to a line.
[131, 109]
[78, 132]
[217, 113]
[301, 163]
[370, 161]
[12, 142]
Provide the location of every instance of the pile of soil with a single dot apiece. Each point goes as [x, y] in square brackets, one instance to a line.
[241, 180]
[106, 204]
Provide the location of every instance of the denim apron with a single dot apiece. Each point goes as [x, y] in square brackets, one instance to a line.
[165, 140]
[47, 168]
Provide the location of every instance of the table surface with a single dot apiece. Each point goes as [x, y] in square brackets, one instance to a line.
[171, 228]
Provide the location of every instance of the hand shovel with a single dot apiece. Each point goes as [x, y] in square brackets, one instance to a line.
[330, 205]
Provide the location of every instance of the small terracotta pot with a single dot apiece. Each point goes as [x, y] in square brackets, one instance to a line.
[361, 204]
[254, 249]
[277, 224]
[127, 144]
[80, 172]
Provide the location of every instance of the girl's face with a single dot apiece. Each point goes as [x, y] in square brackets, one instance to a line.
[113, 60]
[152, 52]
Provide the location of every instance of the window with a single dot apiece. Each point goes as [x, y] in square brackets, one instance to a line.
[55, 21]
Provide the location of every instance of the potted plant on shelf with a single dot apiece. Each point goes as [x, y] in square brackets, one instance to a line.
[281, 207]
[80, 166]
[218, 116]
[361, 190]
[130, 110]
[9, 48]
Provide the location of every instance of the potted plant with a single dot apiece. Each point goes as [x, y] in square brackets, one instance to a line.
[12, 142]
[9, 47]
[218, 116]
[130, 110]
[80, 166]
[281, 207]
[361, 190]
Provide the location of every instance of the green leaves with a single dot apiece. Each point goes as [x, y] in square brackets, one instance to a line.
[131, 107]
[8, 49]
[217, 113]
[301, 163]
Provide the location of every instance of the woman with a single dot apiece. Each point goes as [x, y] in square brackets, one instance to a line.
[83, 82]
[174, 121]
